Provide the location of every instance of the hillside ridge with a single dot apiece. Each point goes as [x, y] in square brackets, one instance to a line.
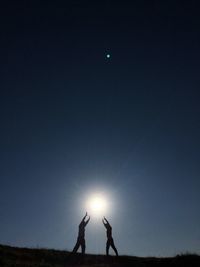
[42, 257]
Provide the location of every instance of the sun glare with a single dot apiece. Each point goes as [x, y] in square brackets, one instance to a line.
[97, 205]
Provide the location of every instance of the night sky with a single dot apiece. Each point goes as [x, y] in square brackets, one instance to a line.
[74, 121]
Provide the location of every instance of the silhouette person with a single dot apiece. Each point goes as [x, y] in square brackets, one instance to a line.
[81, 235]
[110, 241]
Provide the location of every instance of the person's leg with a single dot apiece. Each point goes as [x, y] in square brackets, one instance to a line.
[107, 247]
[76, 247]
[83, 246]
[113, 247]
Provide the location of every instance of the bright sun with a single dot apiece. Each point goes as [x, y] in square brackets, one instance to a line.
[97, 205]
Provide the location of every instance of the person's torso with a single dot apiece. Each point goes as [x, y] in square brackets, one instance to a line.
[109, 232]
[81, 232]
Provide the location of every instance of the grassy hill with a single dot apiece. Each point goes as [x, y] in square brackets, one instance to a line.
[25, 257]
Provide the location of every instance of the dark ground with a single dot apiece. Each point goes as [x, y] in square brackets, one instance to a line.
[25, 257]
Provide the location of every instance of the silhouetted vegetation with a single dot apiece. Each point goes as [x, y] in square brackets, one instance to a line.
[24, 257]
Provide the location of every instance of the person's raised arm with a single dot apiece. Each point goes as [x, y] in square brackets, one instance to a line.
[87, 221]
[103, 221]
[106, 220]
[84, 217]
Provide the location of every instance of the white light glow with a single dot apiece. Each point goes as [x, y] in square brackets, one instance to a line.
[97, 205]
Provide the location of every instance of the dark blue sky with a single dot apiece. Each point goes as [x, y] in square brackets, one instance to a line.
[73, 121]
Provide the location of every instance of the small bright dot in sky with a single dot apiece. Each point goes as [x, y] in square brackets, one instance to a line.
[108, 55]
[97, 205]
